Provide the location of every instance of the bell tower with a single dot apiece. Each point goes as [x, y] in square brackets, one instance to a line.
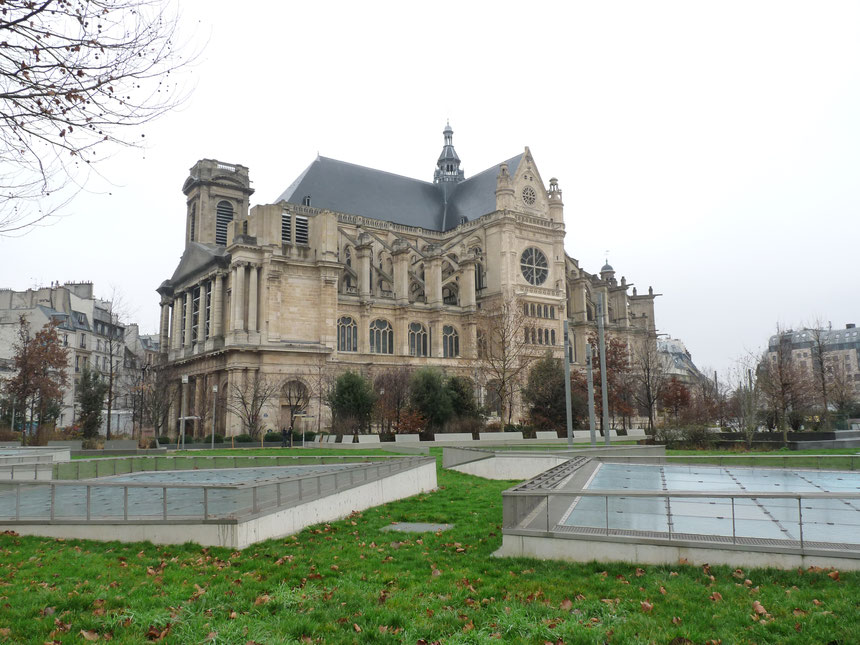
[216, 194]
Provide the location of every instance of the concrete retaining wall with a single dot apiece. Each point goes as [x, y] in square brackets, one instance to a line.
[593, 549]
[500, 436]
[238, 535]
[516, 467]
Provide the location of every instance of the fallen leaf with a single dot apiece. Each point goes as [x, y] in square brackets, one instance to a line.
[646, 606]
[262, 600]
[662, 590]
[799, 612]
[640, 572]
[356, 627]
[833, 575]
[716, 596]
[816, 602]
[566, 605]
[676, 620]
[758, 608]
[89, 635]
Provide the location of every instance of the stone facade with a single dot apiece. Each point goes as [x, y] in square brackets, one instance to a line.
[331, 280]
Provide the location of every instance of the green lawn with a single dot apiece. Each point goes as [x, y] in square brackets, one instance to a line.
[348, 582]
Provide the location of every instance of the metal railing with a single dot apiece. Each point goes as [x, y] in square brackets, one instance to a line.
[798, 462]
[74, 501]
[803, 525]
[95, 468]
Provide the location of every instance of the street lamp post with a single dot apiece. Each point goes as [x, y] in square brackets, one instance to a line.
[214, 401]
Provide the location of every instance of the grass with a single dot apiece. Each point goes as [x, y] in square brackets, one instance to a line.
[348, 582]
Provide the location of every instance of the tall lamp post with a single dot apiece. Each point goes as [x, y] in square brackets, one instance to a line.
[214, 402]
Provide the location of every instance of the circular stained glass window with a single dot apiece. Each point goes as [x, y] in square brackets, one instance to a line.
[529, 195]
[534, 266]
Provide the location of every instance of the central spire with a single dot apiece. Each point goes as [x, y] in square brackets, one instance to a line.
[448, 165]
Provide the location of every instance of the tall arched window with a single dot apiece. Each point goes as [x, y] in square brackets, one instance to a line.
[381, 337]
[223, 217]
[480, 276]
[347, 335]
[450, 342]
[417, 339]
[552, 336]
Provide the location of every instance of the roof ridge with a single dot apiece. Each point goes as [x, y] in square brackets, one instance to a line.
[386, 172]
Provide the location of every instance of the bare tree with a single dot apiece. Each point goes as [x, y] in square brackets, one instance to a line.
[392, 389]
[320, 381]
[159, 394]
[785, 387]
[112, 331]
[745, 399]
[821, 370]
[649, 375]
[504, 351]
[247, 400]
[76, 76]
[295, 397]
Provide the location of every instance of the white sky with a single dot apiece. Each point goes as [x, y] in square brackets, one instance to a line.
[712, 148]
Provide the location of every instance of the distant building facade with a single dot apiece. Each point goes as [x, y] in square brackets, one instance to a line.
[87, 327]
[841, 349]
[678, 362]
[353, 268]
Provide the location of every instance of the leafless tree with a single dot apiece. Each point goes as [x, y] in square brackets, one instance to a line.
[113, 337]
[785, 387]
[821, 370]
[504, 353]
[320, 381]
[75, 77]
[392, 389]
[649, 375]
[843, 396]
[295, 397]
[745, 399]
[248, 398]
[159, 394]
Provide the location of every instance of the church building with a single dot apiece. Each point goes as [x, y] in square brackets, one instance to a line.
[353, 268]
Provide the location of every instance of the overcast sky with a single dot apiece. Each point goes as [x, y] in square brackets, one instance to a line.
[713, 149]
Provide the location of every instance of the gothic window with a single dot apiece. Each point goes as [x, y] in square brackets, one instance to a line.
[532, 309]
[552, 336]
[533, 337]
[533, 264]
[183, 341]
[301, 230]
[417, 339]
[381, 337]
[480, 276]
[286, 228]
[347, 335]
[347, 255]
[223, 217]
[450, 342]
[552, 312]
[193, 222]
[540, 336]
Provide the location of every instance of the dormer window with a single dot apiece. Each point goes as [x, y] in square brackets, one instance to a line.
[306, 200]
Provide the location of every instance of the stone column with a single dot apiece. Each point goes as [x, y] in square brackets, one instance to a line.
[252, 299]
[239, 297]
[364, 252]
[400, 251]
[435, 328]
[201, 315]
[176, 334]
[164, 326]
[433, 278]
[467, 282]
[189, 304]
[216, 328]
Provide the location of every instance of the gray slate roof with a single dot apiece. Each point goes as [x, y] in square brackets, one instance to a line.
[197, 257]
[357, 190]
